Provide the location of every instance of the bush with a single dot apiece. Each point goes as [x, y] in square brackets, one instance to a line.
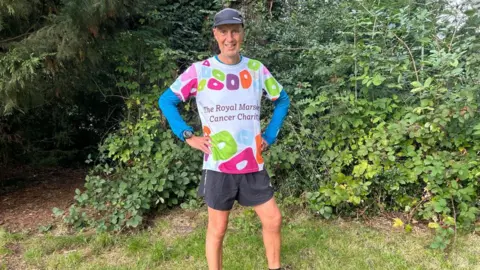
[384, 112]
[141, 166]
[384, 116]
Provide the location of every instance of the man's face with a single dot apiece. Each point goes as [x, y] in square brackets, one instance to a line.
[229, 38]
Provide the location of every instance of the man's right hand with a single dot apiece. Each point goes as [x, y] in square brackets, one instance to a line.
[201, 143]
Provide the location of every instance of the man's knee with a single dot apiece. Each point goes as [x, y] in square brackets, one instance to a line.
[273, 222]
[217, 229]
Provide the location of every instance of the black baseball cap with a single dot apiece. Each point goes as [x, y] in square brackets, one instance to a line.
[228, 16]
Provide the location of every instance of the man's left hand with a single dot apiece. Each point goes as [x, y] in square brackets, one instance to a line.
[264, 145]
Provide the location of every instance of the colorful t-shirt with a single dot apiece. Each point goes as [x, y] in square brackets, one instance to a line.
[228, 100]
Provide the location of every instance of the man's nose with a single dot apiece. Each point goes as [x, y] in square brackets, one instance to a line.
[229, 36]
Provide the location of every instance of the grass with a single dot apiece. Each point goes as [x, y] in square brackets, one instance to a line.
[176, 241]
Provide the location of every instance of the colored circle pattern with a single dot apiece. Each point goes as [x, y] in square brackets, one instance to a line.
[253, 64]
[245, 137]
[175, 87]
[272, 86]
[229, 145]
[189, 74]
[245, 79]
[206, 131]
[218, 75]
[215, 79]
[257, 84]
[258, 143]
[224, 146]
[206, 72]
[201, 85]
[233, 83]
[265, 71]
[189, 88]
[215, 84]
[242, 163]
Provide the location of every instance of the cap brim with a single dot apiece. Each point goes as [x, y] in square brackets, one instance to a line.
[227, 22]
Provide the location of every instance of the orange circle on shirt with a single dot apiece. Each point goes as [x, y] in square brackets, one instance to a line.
[245, 79]
[258, 142]
[207, 130]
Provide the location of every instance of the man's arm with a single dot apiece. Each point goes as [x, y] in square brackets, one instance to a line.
[168, 103]
[279, 113]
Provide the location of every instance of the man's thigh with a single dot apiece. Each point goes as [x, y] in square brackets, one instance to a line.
[268, 211]
[254, 188]
[218, 189]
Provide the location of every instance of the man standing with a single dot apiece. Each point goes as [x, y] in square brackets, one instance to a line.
[228, 89]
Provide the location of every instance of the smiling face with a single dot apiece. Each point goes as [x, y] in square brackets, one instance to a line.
[229, 38]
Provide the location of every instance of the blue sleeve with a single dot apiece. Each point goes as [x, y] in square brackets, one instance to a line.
[279, 114]
[168, 103]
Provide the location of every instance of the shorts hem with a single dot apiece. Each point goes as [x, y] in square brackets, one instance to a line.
[218, 208]
[257, 203]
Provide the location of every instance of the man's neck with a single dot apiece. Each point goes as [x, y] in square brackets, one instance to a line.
[229, 60]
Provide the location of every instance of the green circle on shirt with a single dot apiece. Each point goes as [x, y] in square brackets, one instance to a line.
[218, 75]
[229, 145]
[201, 85]
[254, 65]
[273, 89]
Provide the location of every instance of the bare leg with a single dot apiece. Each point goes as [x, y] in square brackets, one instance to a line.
[271, 219]
[217, 226]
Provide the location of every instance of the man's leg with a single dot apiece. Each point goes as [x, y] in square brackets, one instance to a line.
[217, 226]
[271, 219]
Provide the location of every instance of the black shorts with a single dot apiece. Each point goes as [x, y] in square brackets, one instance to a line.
[222, 189]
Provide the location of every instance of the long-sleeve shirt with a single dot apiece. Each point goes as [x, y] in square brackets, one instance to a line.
[228, 100]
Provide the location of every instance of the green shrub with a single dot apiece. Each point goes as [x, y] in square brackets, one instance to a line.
[384, 116]
[141, 167]
[384, 111]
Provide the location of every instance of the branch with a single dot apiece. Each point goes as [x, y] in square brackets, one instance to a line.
[411, 55]
[17, 37]
[106, 96]
[455, 220]
[451, 41]
[437, 41]
[270, 9]
[290, 49]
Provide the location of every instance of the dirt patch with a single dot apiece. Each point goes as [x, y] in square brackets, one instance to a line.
[181, 222]
[28, 195]
[15, 248]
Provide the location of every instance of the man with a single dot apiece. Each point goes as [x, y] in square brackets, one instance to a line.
[228, 89]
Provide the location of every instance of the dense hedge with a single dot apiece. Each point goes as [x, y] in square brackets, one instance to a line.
[384, 116]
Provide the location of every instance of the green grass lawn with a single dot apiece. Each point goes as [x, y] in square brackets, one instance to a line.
[176, 241]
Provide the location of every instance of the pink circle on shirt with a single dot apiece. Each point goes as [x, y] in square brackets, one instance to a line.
[265, 71]
[244, 162]
[188, 89]
[191, 73]
[215, 84]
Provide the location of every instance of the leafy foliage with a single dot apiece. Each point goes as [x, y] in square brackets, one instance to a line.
[62, 62]
[141, 165]
[385, 113]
